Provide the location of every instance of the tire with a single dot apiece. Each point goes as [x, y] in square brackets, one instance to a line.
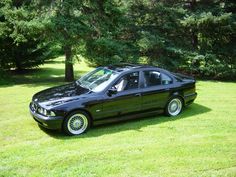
[76, 123]
[174, 106]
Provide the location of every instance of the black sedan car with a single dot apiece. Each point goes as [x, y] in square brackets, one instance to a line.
[112, 93]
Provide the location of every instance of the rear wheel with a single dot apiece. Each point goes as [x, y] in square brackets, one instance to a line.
[76, 123]
[174, 106]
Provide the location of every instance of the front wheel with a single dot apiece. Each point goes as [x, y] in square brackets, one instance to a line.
[76, 123]
[174, 106]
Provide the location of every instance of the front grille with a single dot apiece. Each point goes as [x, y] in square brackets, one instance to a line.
[34, 107]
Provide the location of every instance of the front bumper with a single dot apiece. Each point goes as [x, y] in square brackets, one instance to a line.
[45, 121]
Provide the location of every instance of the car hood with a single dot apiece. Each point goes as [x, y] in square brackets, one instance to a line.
[61, 93]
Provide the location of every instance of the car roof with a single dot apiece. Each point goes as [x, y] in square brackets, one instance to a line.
[122, 67]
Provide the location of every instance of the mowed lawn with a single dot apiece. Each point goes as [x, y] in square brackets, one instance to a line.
[199, 142]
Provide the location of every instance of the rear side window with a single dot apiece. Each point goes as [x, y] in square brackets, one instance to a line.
[154, 78]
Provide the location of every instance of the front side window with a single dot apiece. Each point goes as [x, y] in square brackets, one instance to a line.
[127, 82]
[155, 78]
[98, 79]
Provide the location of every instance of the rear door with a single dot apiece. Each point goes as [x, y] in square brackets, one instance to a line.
[156, 89]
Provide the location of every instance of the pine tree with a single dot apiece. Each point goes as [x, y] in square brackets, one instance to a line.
[21, 41]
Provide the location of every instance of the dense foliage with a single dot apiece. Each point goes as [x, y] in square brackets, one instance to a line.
[22, 44]
[197, 37]
[212, 28]
[81, 25]
[190, 36]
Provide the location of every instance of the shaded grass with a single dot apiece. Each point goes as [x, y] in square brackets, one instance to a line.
[199, 142]
[51, 73]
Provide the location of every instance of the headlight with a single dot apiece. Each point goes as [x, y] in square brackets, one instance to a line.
[46, 112]
[41, 110]
[51, 113]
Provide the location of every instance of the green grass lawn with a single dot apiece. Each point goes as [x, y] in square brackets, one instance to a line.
[199, 142]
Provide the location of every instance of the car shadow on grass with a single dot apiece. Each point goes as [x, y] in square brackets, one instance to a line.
[135, 124]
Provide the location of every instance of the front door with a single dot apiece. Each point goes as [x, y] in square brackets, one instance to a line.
[127, 99]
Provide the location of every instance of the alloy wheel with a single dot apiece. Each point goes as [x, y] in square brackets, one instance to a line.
[77, 124]
[174, 107]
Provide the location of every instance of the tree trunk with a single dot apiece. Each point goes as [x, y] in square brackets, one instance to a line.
[193, 5]
[17, 60]
[194, 40]
[18, 65]
[69, 71]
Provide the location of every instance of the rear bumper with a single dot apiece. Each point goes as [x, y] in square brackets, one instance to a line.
[47, 122]
[190, 98]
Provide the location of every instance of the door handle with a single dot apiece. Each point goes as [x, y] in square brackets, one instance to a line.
[137, 94]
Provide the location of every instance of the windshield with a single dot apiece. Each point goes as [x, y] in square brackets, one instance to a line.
[98, 79]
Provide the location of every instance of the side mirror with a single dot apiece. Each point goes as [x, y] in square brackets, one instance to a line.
[112, 91]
